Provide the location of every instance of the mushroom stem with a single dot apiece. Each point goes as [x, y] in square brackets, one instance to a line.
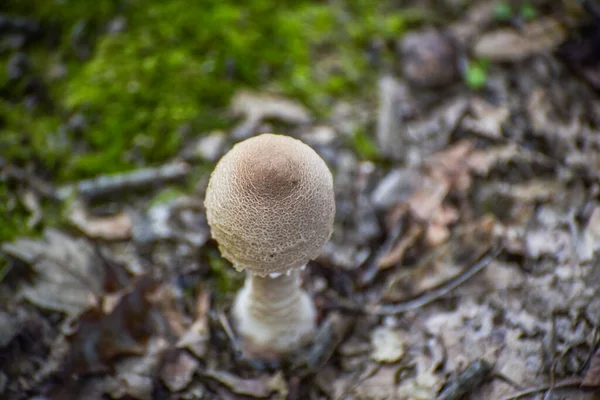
[274, 313]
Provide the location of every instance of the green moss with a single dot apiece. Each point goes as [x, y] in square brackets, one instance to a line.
[176, 65]
[476, 74]
[13, 214]
[364, 146]
[225, 278]
[178, 62]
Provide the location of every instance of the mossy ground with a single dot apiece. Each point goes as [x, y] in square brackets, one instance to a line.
[145, 75]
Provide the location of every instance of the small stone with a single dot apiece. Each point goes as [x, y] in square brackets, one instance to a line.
[210, 148]
[429, 59]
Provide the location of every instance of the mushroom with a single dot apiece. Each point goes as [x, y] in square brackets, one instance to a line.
[270, 206]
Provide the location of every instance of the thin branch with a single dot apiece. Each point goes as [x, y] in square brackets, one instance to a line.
[431, 295]
[109, 184]
[568, 383]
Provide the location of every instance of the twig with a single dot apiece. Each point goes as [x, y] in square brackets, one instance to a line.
[108, 184]
[436, 293]
[567, 383]
[372, 267]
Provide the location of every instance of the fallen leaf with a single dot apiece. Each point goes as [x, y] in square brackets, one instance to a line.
[196, 338]
[177, 373]
[424, 386]
[99, 338]
[379, 384]
[261, 387]
[543, 34]
[114, 227]
[486, 119]
[388, 345]
[449, 166]
[70, 276]
[482, 161]
[396, 253]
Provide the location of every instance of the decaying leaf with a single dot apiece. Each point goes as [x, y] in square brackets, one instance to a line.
[114, 227]
[178, 372]
[543, 34]
[196, 338]
[132, 378]
[486, 119]
[99, 338]
[261, 387]
[388, 345]
[70, 275]
[424, 385]
[380, 382]
[396, 253]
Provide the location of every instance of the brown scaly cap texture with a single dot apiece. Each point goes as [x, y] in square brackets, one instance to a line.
[270, 204]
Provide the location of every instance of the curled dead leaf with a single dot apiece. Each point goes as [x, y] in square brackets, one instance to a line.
[114, 227]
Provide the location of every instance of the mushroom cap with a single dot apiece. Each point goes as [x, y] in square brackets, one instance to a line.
[270, 204]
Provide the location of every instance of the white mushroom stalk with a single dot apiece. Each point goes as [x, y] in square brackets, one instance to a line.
[270, 206]
[274, 314]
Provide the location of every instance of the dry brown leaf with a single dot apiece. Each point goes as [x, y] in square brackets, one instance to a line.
[482, 161]
[486, 119]
[99, 338]
[114, 227]
[543, 34]
[396, 253]
[196, 338]
[177, 373]
[69, 277]
[450, 167]
[428, 199]
[424, 385]
[261, 387]
[379, 385]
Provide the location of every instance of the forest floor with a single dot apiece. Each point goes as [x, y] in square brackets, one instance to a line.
[466, 163]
